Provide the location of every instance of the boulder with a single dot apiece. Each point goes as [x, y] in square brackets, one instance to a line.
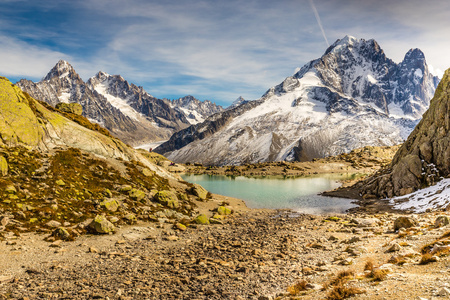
[404, 222]
[223, 211]
[110, 205]
[202, 219]
[101, 225]
[167, 198]
[136, 194]
[10, 189]
[72, 108]
[199, 191]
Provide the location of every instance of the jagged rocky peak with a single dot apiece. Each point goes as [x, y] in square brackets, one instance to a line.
[239, 101]
[61, 69]
[423, 158]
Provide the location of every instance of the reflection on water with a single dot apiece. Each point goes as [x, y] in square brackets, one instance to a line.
[278, 192]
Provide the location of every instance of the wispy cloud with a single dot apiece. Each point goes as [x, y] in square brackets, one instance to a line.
[216, 50]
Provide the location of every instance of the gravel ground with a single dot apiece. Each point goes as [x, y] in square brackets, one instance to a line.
[253, 255]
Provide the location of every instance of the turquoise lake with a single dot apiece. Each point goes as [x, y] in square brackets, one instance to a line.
[276, 192]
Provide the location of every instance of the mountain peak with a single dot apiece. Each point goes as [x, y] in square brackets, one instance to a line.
[414, 54]
[61, 69]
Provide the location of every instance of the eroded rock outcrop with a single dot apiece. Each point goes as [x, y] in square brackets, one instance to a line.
[425, 156]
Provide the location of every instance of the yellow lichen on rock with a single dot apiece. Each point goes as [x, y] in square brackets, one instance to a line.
[18, 123]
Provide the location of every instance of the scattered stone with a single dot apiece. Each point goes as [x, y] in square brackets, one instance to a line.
[101, 225]
[60, 182]
[167, 198]
[404, 222]
[202, 219]
[61, 233]
[444, 292]
[394, 248]
[180, 226]
[199, 191]
[110, 205]
[136, 194]
[10, 189]
[3, 166]
[125, 188]
[223, 211]
[442, 221]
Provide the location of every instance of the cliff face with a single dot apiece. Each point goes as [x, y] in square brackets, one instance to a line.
[425, 156]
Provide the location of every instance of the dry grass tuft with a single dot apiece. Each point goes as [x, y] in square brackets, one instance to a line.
[342, 292]
[297, 288]
[369, 266]
[427, 258]
[378, 274]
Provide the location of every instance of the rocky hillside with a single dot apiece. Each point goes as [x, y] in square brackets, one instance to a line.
[64, 175]
[353, 96]
[423, 159]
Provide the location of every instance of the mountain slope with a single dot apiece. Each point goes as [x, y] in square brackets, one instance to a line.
[351, 97]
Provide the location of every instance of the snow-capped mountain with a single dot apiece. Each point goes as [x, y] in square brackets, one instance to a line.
[351, 97]
[195, 110]
[126, 110]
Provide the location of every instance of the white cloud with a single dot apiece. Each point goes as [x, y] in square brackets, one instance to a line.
[20, 58]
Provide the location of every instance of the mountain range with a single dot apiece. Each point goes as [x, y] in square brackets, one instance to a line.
[352, 96]
[126, 110]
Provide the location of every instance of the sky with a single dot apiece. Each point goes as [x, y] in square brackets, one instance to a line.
[216, 50]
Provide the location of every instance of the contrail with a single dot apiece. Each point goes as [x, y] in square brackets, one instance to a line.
[318, 21]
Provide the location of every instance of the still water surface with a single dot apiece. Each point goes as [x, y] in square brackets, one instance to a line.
[299, 193]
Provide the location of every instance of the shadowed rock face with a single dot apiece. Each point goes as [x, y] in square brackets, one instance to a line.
[424, 157]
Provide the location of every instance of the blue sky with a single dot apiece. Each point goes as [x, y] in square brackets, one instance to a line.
[216, 50]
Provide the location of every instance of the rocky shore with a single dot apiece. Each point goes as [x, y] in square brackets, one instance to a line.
[251, 255]
[364, 161]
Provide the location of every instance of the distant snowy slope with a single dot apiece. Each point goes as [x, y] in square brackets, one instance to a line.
[333, 104]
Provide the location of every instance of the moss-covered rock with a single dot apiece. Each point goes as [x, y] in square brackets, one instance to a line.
[101, 225]
[136, 194]
[3, 166]
[73, 108]
[125, 188]
[110, 205]
[223, 211]
[60, 182]
[202, 219]
[18, 123]
[199, 191]
[180, 227]
[10, 189]
[167, 198]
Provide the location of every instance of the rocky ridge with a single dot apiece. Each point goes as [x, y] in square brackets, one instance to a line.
[353, 96]
[196, 111]
[423, 159]
[126, 110]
